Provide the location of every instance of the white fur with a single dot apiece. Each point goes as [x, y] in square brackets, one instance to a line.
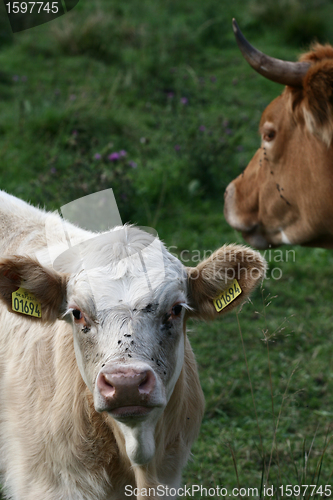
[230, 214]
[284, 238]
[112, 282]
[58, 438]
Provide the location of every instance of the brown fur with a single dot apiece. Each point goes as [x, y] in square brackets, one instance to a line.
[47, 286]
[287, 185]
[212, 276]
[315, 96]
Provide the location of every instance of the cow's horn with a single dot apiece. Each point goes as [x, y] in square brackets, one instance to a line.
[285, 72]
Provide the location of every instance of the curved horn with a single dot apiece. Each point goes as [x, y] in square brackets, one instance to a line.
[287, 73]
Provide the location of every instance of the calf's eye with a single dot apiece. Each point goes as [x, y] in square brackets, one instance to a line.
[174, 313]
[77, 314]
[176, 310]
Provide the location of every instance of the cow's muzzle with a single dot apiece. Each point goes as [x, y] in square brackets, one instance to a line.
[126, 391]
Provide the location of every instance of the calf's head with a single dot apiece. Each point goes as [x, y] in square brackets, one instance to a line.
[128, 300]
[284, 194]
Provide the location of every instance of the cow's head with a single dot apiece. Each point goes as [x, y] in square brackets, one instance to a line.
[128, 300]
[285, 193]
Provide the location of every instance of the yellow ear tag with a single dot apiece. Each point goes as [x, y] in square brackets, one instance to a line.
[227, 296]
[25, 302]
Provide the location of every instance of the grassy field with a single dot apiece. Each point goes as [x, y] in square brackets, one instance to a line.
[163, 84]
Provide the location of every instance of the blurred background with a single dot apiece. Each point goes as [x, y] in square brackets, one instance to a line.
[154, 100]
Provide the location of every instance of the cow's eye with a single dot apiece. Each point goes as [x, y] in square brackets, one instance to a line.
[176, 310]
[174, 313]
[77, 314]
[269, 135]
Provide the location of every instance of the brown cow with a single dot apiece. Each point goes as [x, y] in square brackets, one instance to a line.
[284, 196]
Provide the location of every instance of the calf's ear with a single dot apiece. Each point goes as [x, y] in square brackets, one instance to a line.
[45, 285]
[216, 275]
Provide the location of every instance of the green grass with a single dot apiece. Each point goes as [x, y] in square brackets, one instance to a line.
[165, 82]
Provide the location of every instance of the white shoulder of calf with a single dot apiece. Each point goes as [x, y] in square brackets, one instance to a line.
[102, 391]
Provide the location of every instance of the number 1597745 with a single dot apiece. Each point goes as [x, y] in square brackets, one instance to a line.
[32, 7]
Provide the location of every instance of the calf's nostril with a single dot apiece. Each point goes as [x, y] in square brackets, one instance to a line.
[147, 384]
[105, 386]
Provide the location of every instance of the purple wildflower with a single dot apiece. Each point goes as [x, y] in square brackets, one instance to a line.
[122, 153]
[202, 128]
[16, 78]
[53, 170]
[113, 157]
[170, 95]
[97, 156]
[213, 79]
[177, 147]
[75, 132]
[184, 100]
[132, 164]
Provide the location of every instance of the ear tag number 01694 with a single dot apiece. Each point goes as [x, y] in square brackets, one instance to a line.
[25, 302]
[227, 296]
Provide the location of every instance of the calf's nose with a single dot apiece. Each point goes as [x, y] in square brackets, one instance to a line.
[134, 383]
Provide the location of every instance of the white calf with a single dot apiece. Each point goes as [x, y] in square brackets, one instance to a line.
[102, 391]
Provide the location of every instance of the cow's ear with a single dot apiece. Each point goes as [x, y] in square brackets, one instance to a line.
[46, 287]
[318, 100]
[224, 280]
